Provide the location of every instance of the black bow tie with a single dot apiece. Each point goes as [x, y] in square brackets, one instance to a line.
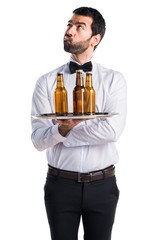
[87, 67]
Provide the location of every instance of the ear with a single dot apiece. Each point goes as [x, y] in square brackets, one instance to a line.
[95, 40]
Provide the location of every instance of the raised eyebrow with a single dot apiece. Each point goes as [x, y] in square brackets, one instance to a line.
[77, 23]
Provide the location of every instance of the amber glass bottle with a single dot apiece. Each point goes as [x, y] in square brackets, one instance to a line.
[78, 94]
[89, 95]
[60, 96]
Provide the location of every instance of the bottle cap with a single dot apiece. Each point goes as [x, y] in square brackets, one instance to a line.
[88, 72]
[79, 70]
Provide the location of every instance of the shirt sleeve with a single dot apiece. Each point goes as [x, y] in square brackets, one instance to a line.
[100, 131]
[45, 134]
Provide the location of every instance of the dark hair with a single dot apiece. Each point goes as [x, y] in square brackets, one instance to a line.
[98, 25]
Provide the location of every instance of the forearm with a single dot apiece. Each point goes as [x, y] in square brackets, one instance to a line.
[98, 132]
[45, 136]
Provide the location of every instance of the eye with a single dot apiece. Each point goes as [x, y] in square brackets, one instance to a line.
[80, 27]
[69, 25]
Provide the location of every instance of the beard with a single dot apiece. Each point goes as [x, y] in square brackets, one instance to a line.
[76, 48]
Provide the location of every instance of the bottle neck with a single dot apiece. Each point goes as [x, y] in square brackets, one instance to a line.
[60, 84]
[88, 80]
[79, 79]
[60, 81]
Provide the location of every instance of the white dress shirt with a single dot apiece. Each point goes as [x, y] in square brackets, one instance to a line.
[90, 145]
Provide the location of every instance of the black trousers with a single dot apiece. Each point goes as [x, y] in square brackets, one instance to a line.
[67, 201]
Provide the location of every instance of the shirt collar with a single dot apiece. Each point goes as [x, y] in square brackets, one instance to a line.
[72, 60]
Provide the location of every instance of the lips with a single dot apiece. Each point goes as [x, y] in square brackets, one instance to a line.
[66, 38]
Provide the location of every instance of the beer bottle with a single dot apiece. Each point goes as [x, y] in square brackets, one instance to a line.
[78, 94]
[89, 95]
[60, 96]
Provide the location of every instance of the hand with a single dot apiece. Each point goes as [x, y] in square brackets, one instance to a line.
[66, 125]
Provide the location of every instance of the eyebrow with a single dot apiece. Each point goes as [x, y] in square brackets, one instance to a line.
[77, 23]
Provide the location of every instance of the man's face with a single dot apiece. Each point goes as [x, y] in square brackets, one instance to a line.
[77, 37]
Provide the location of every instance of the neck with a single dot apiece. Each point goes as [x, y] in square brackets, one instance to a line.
[81, 58]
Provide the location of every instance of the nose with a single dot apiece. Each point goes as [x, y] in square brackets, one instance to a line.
[70, 31]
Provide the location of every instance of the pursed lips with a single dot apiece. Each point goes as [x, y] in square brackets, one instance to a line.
[67, 38]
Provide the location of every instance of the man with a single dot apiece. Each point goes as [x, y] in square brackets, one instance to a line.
[81, 154]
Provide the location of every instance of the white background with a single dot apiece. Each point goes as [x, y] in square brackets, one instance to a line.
[31, 44]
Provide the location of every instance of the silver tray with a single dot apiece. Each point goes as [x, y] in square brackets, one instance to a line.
[72, 116]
